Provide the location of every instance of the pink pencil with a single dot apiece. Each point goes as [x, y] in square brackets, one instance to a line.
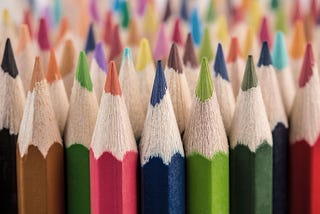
[113, 154]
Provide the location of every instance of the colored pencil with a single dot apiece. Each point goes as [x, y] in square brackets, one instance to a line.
[11, 110]
[150, 22]
[178, 87]
[25, 56]
[167, 12]
[161, 48]
[146, 72]
[280, 62]
[251, 150]
[90, 43]
[113, 154]
[57, 91]
[108, 28]
[196, 27]
[128, 79]
[250, 44]
[191, 65]
[279, 127]
[297, 47]
[235, 65]
[222, 32]
[68, 65]
[98, 70]
[79, 129]
[133, 36]
[264, 32]
[161, 154]
[43, 42]
[206, 47]
[40, 171]
[207, 152]
[304, 140]
[223, 89]
[177, 33]
[116, 46]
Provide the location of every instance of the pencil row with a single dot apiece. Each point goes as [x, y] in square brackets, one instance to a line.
[185, 162]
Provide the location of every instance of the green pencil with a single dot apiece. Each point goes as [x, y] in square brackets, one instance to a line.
[207, 151]
[251, 150]
[80, 126]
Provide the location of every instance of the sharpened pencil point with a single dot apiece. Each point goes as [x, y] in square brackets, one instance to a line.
[37, 75]
[53, 72]
[144, 55]
[220, 64]
[279, 55]
[205, 48]
[307, 66]
[265, 57]
[91, 42]
[83, 75]
[204, 88]
[189, 56]
[8, 62]
[250, 79]
[159, 86]
[234, 51]
[43, 35]
[100, 56]
[174, 59]
[112, 85]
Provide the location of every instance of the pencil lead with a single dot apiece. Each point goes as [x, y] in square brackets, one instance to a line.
[116, 45]
[250, 79]
[162, 47]
[8, 62]
[37, 75]
[159, 85]
[222, 29]
[184, 10]
[174, 59]
[309, 25]
[176, 35]
[27, 19]
[250, 36]
[112, 85]
[150, 19]
[265, 57]
[296, 12]
[100, 57]
[298, 41]
[279, 55]
[141, 7]
[196, 26]
[125, 15]
[43, 35]
[211, 13]
[133, 33]
[91, 42]
[93, 7]
[57, 11]
[234, 51]
[108, 28]
[53, 72]
[264, 33]
[6, 17]
[206, 46]
[204, 89]
[307, 66]
[144, 55]
[220, 64]
[167, 12]
[68, 57]
[274, 4]
[281, 20]
[83, 75]
[127, 54]
[24, 37]
[189, 56]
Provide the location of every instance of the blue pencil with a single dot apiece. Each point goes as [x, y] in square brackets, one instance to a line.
[161, 154]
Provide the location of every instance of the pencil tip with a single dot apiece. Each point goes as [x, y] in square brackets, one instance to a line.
[206, 46]
[220, 64]
[37, 75]
[204, 89]
[24, 37]
[116, 45]
[8, 64]
[162, 46]
[144, 55]
[91, 42]
[298, 41]
[83, 75]
[167, 12]
[43, 35]
[264, 33]
[189, 56]
[279, 54]
[53, 72]
[100, 57]
[234, 51]
[196, 27]
[174, 59]
[176, 36]
[265, 57]
[159, 85]
[112, 85]
[307, 66]
[250, 79]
